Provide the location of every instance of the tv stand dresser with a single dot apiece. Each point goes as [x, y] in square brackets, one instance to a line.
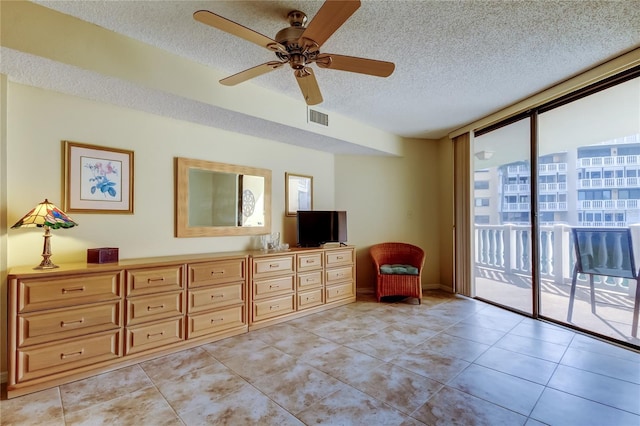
[81, 319]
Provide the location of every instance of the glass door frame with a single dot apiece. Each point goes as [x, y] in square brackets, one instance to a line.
[532, 114]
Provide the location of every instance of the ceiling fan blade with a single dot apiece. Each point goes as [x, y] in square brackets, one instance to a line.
[251, 73]
[353, 64]
[237, 30]
[309, 86]
[329, 18]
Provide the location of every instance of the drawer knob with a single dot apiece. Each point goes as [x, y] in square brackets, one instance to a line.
[153, 308]
[66, 323]
[217, 272]
[310, 261]
[271, 308]
[339, 257]
[72, 354]
[273, 265]
[274, 286]
[72, 289]
[149, 335]
[216, 320]
[151, 280]
[217, 296]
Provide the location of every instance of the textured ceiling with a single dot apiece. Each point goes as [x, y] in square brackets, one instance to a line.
[456, 61]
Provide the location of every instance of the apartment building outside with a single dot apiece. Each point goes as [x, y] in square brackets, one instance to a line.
[590, 186]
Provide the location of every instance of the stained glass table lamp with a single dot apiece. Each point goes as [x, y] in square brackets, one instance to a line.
[46, 215]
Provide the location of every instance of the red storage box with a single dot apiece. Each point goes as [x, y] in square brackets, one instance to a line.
[102, 255]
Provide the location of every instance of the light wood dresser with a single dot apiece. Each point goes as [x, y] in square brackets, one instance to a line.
[83, 319]
[289, 284]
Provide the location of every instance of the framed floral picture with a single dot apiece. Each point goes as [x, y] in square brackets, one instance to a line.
[97, 179]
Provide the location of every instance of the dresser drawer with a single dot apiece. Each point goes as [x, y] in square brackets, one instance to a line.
[149, 308]
[309, 299]
[273, 287]
[218, 272]
[309, 261]
[205, 299]
[309, 280]
[65, 323]
[153, 335]
[38, 294]
[273, 266]
[154, 280]
[273, 307]
[215, 322]
[338, 257]
[43, 360]
[340, 291]
[337, 275]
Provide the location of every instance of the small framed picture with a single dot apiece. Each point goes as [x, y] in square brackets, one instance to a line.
[97, 179]
[298, 193]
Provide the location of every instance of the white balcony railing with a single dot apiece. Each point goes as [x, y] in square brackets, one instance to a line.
[516, 188]
[628, 182]
[552, 187]
[544, 169]
[592, 224]
[552, 168]
[557, 206]
[618, 160]
[515, 207]
[507, 248]
[520, 169]
[607, 204]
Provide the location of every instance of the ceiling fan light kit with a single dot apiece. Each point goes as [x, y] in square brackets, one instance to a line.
[299, 46]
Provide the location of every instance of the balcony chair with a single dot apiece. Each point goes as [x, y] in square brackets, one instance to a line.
[398, 269]
[604, 252]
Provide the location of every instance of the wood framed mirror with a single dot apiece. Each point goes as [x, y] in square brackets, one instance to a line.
[217, 199]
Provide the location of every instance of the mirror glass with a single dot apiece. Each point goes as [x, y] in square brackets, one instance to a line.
[215, 199]
[298, 193]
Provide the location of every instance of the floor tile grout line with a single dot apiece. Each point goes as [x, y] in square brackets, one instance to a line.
[164, 397]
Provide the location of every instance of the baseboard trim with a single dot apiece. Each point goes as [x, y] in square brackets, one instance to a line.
[437, 287]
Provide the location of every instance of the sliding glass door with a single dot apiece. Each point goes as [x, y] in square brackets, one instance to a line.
[502, 216]
[589, 179]
[584, 176]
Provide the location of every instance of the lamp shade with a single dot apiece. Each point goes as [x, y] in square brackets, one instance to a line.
[45, 214]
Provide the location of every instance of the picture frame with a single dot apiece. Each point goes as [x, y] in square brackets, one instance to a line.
[97, 179]
[298, 193]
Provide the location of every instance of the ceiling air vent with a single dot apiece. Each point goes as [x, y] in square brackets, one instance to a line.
[318, 117]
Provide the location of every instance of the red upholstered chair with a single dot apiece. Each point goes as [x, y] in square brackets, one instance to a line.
[392, 279]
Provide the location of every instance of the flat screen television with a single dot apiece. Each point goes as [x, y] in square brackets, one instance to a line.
[317, 227]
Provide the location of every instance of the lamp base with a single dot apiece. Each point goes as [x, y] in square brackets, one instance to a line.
[46, 252]
[46, 264]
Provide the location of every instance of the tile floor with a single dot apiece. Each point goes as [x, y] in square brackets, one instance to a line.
[448, 361]
[614, 309]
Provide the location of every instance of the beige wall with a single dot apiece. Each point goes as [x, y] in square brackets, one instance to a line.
[3, 226]
[40, 119]
[395, 199]
[370, 188]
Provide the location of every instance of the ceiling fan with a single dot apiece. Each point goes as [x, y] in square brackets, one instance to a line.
[299, 46]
